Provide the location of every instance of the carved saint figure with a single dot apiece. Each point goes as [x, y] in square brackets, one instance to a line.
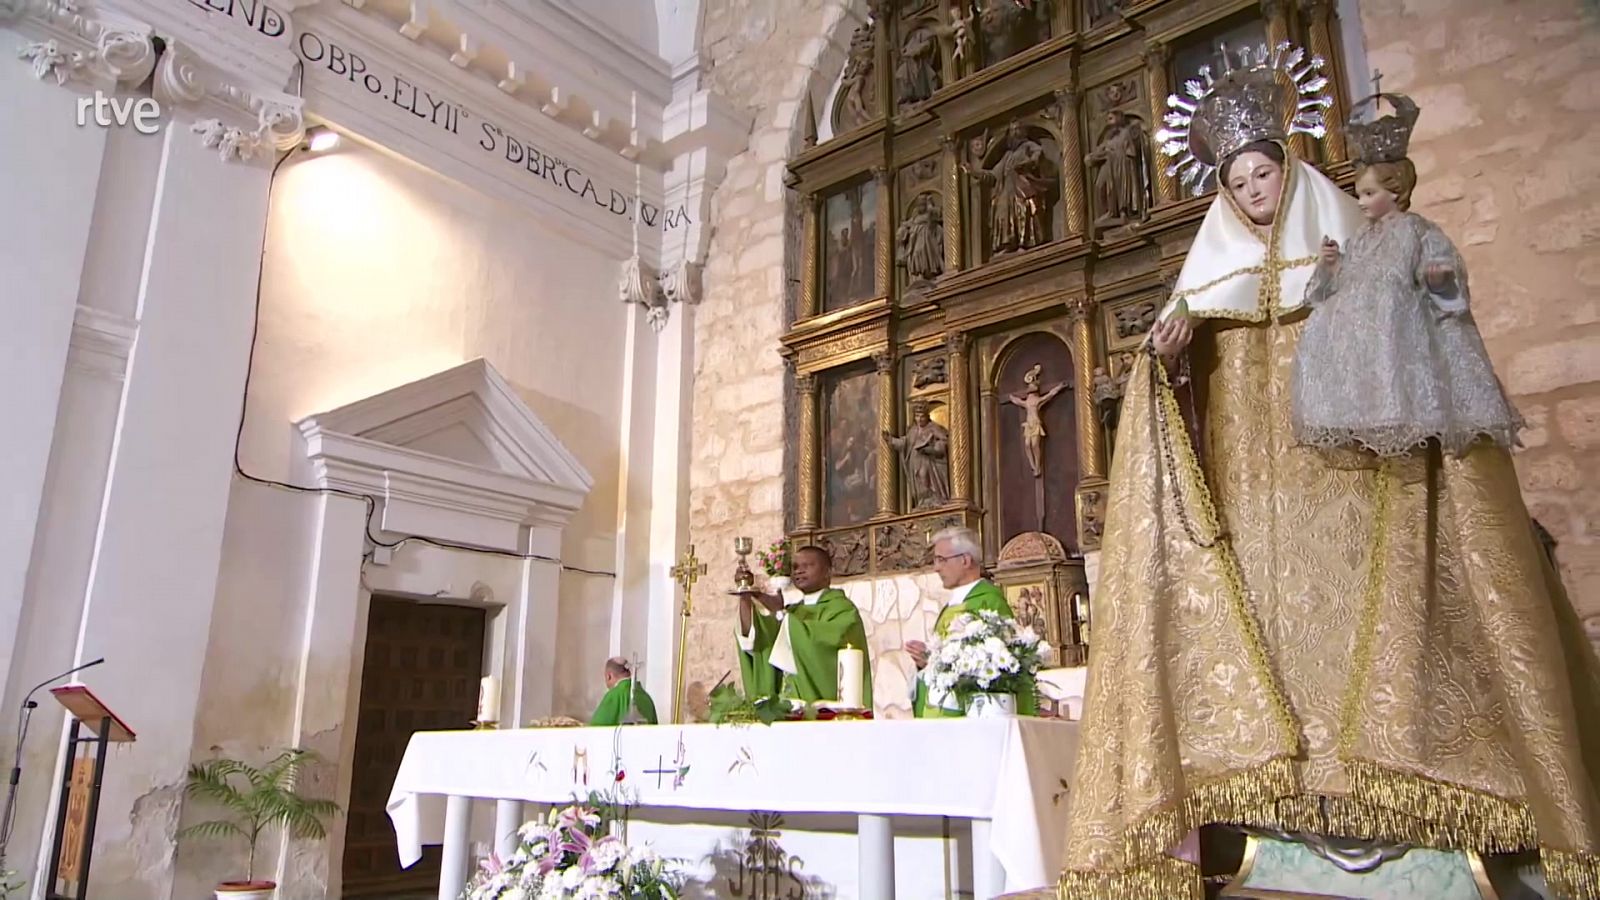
[1010, 27]
[916, 75]
[1020, 181]
[857, 81]
[1121, 184]
[923, 458]
[921, 240]
[1032, 423]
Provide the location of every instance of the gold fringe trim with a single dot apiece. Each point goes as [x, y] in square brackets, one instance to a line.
[1164, 879]
[1575, 876]
[1383, 805]
[1460, 817]
[1239, 797]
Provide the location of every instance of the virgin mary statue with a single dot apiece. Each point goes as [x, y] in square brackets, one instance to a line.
[1289, 643]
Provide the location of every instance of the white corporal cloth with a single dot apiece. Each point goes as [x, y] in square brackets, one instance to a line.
[1012, 772]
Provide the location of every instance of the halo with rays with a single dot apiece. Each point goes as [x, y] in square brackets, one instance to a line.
[1273, 93]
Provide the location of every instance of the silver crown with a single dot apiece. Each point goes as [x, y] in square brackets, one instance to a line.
[1386, 139]
[1270, 95]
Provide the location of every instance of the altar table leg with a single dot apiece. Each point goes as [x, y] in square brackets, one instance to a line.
[507, 819]
[453, 870]
[988, 876]
[875, 843]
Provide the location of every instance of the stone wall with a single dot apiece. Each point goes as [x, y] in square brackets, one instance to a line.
[763, 54]
[1506, 158]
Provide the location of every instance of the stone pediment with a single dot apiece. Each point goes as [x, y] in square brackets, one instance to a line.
[455, 456]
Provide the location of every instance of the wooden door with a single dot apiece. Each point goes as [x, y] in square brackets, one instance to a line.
[423, 663]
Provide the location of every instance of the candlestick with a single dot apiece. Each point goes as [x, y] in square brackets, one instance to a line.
[852, 663]
[489, 699]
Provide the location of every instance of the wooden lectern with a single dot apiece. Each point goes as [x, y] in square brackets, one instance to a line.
[80, 788]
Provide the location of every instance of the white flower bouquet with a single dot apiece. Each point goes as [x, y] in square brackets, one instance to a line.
[983, 653]
[570, 856]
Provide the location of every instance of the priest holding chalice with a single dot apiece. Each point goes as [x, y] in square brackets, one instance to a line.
[797, 651]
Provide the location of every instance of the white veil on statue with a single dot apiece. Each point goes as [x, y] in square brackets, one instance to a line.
[1229, 272]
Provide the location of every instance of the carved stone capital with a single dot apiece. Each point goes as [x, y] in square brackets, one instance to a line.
[241, 124]
[1272, 9]
[87, 46]
[1079, 308]
[958, 342]
[884, 360]
[1156, 54]
[681, 283]
[638, 283]
[806, 383]
[1316, 9]
[1067, 97]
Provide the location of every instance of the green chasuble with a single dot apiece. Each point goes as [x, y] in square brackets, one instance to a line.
[816, 634]
[983, 596]
[613, 706]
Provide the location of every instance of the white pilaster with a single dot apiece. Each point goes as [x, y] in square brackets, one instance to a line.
[42, 251]
[324, 717]
[669, 498]
[154, 568]
[630, 609]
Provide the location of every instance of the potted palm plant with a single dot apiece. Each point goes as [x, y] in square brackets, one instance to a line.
[257, 798]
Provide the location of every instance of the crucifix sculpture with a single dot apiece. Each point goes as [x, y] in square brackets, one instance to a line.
[1032, 403]
[685, 573]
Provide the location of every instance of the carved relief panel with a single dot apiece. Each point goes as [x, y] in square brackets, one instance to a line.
[857, 102]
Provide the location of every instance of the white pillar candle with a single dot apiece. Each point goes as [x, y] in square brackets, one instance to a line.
[852, 663]
[489, 699]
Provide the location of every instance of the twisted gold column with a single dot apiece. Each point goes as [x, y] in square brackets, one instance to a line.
[811, 243]
[1319, 17]
[1091, 461]
[960, 419]
[1276, 12]
[1156, 56]
[1072, 188]
[952, 206]
[885, 248]
[888, 471]
[806, 519]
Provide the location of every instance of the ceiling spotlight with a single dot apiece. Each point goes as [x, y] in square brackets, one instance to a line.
[320, 138]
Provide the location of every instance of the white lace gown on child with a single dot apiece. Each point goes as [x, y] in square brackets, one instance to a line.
[1386, 365]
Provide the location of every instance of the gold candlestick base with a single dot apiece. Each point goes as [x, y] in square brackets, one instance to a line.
[486, 726]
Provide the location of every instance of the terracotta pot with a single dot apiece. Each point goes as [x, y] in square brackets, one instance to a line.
[246, 890]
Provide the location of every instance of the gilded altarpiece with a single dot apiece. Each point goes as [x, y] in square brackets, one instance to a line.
[992, 168]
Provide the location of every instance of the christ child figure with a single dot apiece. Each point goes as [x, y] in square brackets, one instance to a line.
[1390, 360]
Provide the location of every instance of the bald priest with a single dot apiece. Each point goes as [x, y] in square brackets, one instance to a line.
[792, 650]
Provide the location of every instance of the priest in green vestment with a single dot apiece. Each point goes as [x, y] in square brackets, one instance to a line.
[792, 650]
[624, 696]
[955, 559]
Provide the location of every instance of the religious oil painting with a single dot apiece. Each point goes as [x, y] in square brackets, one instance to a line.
[851, 445]
[849, 246]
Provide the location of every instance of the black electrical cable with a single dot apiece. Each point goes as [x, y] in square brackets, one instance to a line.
[368, 499]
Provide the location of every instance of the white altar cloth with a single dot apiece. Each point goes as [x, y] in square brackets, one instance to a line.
[1010, 775]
